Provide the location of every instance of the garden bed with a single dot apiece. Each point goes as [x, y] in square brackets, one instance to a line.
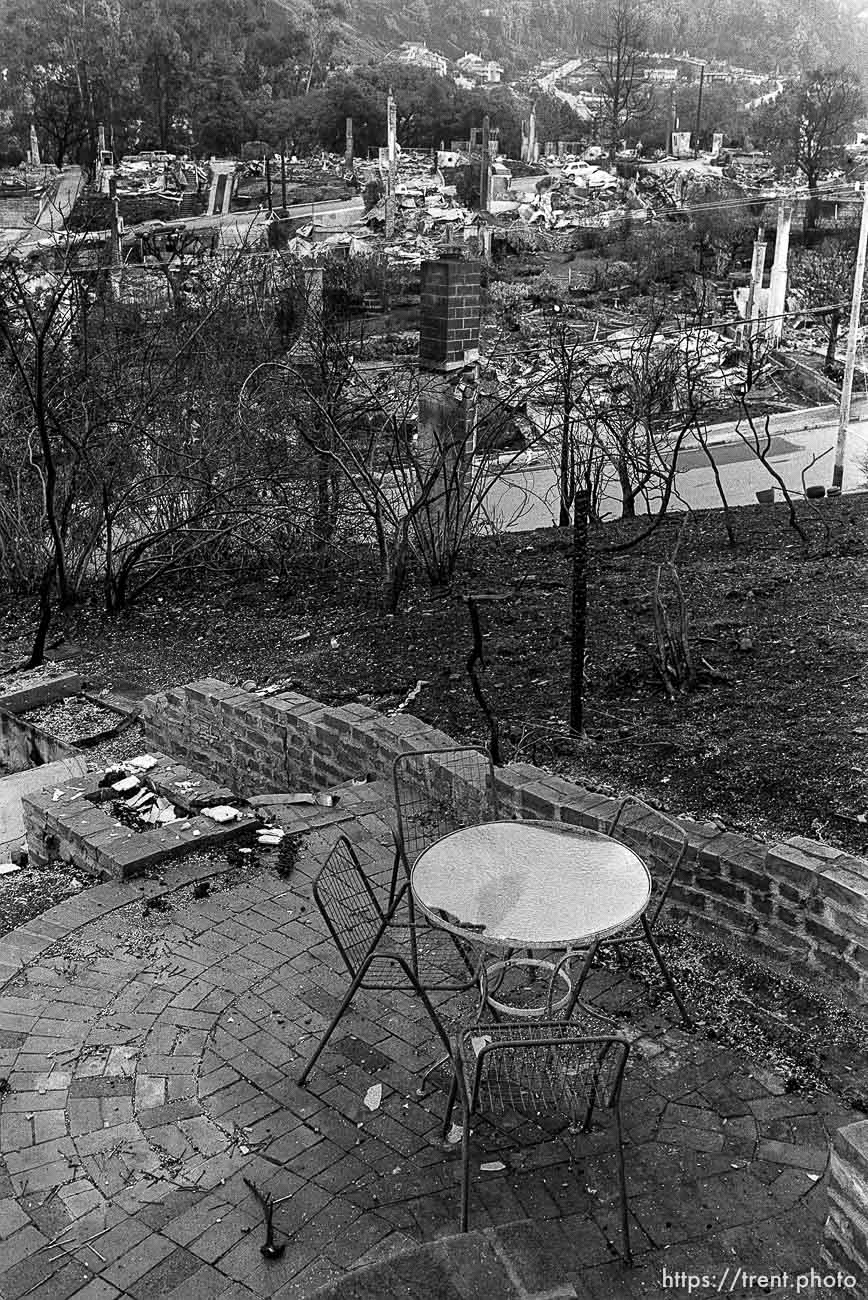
[776, 744]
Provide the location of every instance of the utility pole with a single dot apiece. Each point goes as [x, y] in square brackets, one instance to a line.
[348, 143]
[283, 174]
[485, 169]
[850, 363]
[757, 269]
[698, 121]
[116, 263]
[268, 181]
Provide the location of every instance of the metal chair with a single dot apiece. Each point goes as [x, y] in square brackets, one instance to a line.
[438, 791]
[360, 927]
[662, 845]
[540, 1071]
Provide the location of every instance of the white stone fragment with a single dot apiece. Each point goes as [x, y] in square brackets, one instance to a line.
[127, 784]
[374, 1096]
[221, 813]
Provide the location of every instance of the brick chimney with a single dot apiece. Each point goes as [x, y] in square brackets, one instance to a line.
[450, 315]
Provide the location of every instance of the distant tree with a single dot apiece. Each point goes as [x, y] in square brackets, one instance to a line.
[626, 96]
[57, 116]
[219, 115]
[322, 32]
[808, 122]
[556, 120]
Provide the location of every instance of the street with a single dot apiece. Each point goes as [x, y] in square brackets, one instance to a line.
[527, 498]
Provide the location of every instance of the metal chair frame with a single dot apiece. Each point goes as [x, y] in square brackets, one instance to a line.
[648, 918]
[439, 816]
[358, 924]
[548, 1068]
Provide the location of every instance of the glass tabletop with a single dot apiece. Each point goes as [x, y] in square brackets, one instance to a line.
[530, 884]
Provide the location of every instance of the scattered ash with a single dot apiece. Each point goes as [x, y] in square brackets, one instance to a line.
[74, 718]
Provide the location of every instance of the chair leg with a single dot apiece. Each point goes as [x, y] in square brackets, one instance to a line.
[450, 1106]
[335, 1020]
[583, 975]
[664, 971]
[423, 1082]
[465, 1172]
[625, 1225]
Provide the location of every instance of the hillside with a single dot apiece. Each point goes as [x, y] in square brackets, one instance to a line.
[766, 34]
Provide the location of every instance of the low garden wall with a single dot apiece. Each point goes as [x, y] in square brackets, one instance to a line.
[23, 745]
[845, 1243]
[796, 903]
[71, 824]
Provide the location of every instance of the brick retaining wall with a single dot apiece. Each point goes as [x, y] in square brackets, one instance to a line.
[845, 1241]
[798, 902]
[24, 745]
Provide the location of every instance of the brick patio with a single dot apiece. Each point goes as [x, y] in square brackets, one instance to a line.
[151, 1060]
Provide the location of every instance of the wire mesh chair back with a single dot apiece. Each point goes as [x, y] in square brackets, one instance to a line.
[552, 1073]
[438, 791]
[348, 904]
[657, 839]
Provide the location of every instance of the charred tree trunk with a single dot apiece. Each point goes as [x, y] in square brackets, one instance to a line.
[37, 654]
[579, 612]
[475, 657]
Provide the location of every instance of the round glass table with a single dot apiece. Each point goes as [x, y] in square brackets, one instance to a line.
[537, 886]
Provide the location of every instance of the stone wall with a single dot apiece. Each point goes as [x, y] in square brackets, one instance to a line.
[799, 904]
[845, 1244]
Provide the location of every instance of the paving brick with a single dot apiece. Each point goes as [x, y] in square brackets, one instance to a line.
[170, 1274]
[135, 1263]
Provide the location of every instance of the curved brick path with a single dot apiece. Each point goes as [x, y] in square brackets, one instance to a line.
[151, 1058]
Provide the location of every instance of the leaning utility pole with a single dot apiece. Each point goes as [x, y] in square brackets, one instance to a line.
[850, 363]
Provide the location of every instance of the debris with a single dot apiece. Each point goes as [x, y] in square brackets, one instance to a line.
[221, 812]
[6, 868]
[455, 1134]
[478, 1043]
[492, 1166]
[374, 1096]
[128, 783]
[143, 763]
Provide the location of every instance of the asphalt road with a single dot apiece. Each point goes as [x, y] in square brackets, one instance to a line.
[527, 498]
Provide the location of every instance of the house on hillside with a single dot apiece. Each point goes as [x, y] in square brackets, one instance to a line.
[417, 55]
[479, 70]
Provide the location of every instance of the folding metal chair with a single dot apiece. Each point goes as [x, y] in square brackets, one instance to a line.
[361, 929]
[662, 845]
[539, 1071]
